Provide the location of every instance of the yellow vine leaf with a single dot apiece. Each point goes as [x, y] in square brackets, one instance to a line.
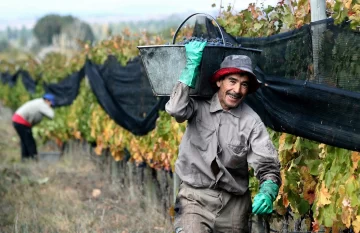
[309, 185]
[282, 141]
[93, 132]
[150, 155]
[118, 156]
[356, 224]
[252, 8]
[324, 196]
[299, 23]
[108, 132]
[356, 7]
[355, 158]
[341, 190]
[282, 174]
[172, 212]
[175, 126]
[98, 149]
[347, 3]
[286, 201]
[322, 153]
[346, 215]
[59, 142]
[179, 137]
[77, 135]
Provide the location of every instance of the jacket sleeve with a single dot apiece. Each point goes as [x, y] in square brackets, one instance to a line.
[263, 156]
[47, 111]
[180, 105]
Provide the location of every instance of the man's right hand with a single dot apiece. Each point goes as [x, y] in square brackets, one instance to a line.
[194, 51]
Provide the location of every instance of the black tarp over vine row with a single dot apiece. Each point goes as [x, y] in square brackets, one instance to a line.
[322, 107]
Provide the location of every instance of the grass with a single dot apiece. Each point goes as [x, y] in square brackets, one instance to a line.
[71, 195]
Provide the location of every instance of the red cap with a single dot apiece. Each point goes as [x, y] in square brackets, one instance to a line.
[228, 66]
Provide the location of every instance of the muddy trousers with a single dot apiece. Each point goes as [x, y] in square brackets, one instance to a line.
[203, 210]
[27, 141]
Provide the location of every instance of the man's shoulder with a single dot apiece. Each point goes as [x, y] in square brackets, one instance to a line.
[37, 102]
[202, 101]
[249, 112]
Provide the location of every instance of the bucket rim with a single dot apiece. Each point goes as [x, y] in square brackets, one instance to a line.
[218, 46]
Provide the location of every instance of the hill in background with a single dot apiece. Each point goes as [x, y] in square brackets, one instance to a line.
[23, 38]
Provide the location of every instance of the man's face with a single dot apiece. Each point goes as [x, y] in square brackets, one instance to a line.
[232, 90]
[48, 102]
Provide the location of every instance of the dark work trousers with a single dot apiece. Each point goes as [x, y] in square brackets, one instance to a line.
[205, 210]
[28, 145]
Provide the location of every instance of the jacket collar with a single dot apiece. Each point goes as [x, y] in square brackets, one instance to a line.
[215, 106]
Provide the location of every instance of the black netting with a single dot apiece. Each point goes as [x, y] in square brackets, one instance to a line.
[303, 90]
[287, 55]
[129, 86]
[66, 90]
[125, 94]
[312, 111]
[339, 57]
[28, 82]
[6, 78]
[309, 90]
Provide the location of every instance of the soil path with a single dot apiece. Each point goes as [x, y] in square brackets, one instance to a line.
[70, 195]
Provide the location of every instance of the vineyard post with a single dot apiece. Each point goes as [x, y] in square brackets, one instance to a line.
[318, 12]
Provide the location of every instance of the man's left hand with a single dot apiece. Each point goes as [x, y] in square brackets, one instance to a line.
[194, 51]
[263, 201]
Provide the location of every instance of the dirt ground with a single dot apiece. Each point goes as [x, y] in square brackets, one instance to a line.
[70, 195]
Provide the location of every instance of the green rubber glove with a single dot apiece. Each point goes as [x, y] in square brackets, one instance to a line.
[263, 201]
[194, 50]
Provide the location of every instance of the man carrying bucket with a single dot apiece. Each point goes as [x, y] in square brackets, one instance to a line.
[28, 115]
[223, 136]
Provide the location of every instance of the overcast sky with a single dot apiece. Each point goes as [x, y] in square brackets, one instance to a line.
[13, 12]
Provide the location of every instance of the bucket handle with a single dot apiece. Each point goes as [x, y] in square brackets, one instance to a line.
[178, 29]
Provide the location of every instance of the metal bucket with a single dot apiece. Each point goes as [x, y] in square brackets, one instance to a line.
[164, 64]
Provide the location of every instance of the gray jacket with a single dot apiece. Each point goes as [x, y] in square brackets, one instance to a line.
[233, 139]
[34, 110]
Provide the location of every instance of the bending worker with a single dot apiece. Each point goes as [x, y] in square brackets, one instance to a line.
[222, 137]
[28, 115]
